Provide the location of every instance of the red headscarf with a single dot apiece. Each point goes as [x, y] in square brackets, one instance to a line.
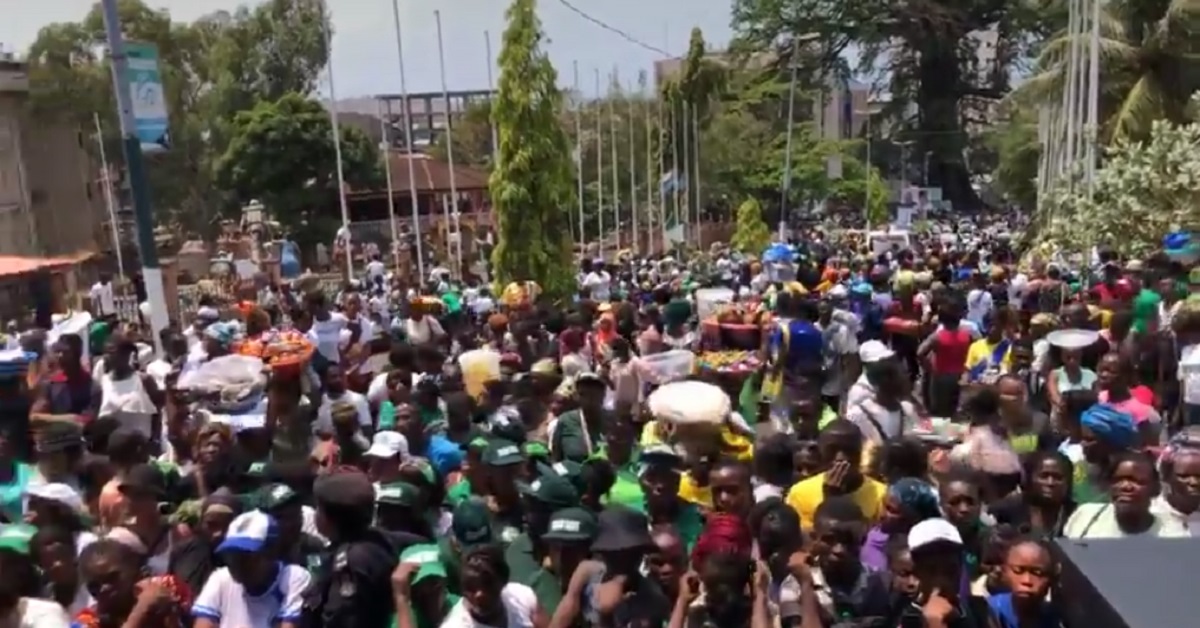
[723, 534]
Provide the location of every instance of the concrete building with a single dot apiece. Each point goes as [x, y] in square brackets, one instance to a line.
[427, 111]
[50, 198]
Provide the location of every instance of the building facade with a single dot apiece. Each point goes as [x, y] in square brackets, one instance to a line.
[51, 202]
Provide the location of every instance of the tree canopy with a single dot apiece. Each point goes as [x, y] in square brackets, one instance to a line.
[212, 68]
[282, 154]
[532, 184]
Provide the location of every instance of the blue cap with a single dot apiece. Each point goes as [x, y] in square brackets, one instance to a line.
[249, 532]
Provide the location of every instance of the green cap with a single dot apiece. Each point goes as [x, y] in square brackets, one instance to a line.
[429, 559]
[397, 494]
[16, 537]
[503, 453]
[552, 490]
[257, 469]
[571, 525]
[274, 496]
[569, 469]
[536, 449]
[471, 524]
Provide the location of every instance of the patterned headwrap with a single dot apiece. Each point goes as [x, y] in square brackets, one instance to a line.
[1110, 425]
[916, 497]
[224, 332]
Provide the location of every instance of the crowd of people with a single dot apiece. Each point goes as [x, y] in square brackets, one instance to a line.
[924, 423]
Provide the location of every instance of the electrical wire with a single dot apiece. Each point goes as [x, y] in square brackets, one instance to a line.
[612, 29]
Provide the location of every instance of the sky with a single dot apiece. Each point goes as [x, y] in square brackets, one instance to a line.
[364, 45]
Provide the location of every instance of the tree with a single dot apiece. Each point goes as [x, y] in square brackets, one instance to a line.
[1147, 65]
[212, 69]
[1144, 191]
[282, 154]
[472, 136]
[752, 235]
[1015, 142]
[926, 52]
[532, 185]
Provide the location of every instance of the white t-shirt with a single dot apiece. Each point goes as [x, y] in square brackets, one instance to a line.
[324, 422]
[225, 601]
[598, 284]
[890, 421]
[327, 336]
[375, 268]
[1099, 521]
[519, 602]
[102, 298]
[979, 304]
[35, 613]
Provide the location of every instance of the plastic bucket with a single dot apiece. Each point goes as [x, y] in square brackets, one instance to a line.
[479, 367]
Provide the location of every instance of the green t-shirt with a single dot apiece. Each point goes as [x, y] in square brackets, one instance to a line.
[453, 302]
[1145, 309]
[387, 415]
[459, 493]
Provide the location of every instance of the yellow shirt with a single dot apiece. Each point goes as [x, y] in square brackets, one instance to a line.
[693, 493]
[806, 495]
[981, 351]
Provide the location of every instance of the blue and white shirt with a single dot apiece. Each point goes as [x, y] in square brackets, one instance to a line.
[226, 602]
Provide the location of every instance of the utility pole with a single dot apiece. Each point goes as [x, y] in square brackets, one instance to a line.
[143, 212]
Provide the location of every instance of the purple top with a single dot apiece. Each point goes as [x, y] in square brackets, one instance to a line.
[874, 549]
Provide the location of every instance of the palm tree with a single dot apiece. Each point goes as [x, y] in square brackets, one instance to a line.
[1149, 65]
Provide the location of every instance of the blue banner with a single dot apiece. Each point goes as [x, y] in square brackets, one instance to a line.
[148, 98]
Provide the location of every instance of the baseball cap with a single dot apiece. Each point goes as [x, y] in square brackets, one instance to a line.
[873, 351]
[275, 496]
[569, 469]
[471, 524]
[249, 532]
[388, 444]
[503, 453]
[59, 493]
[16, 537]
[145, 479]
[429, 559]
[553, 490]
[932, 532]
[571, 524]
[397, 494]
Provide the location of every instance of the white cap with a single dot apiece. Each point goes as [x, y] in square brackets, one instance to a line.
[388, 445]
[57, 492]
[931, 531]
[873, 351]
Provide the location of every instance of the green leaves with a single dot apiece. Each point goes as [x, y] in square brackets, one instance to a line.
[213, 68]
[532, 184]
[282, 154]
[1145, 190]
[752, 234]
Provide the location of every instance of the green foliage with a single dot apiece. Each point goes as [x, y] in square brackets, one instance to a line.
[532, 184]
[752, 235]
[1015, 142]
[1143, 191]
[282, 154]
[212, 68]
[1147, 70]
[472, 137]
[922, 52]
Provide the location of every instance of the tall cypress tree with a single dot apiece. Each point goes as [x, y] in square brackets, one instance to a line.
[532, 185]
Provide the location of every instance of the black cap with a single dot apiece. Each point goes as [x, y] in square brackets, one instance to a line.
[345, 489]
[145, 479]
